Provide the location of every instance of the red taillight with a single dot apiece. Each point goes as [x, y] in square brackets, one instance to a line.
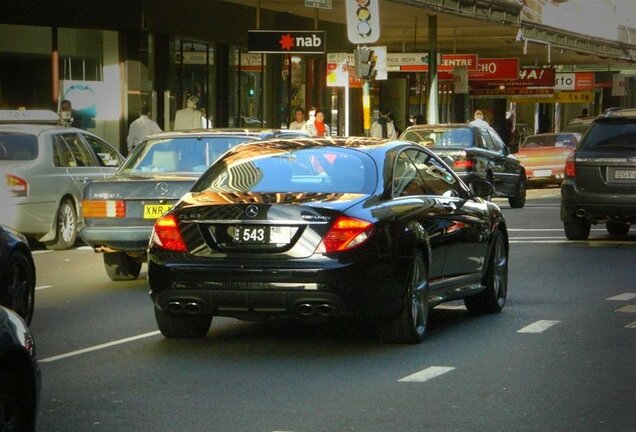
[345, 233]
[167, 235]
[17, 186]
[463, 162]
[570, 167]
[103, 209]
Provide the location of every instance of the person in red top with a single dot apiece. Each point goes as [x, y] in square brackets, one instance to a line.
[319, 128]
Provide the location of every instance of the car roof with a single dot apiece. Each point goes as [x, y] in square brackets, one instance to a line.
[441, 126]
[255, 132]
[625, 112]
[359, 143]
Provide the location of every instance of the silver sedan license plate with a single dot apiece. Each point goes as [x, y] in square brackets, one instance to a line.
[625, 174]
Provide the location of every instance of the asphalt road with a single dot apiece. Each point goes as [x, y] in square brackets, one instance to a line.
[560, 357]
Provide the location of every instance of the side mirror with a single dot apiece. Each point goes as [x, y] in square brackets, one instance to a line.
[481, 188]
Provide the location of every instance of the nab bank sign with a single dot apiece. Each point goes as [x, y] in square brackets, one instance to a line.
[284, 42]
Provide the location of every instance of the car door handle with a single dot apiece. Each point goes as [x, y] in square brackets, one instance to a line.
[85, 180]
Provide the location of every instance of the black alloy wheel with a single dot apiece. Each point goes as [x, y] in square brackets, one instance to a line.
[493, 298]
[519, 200]
[617, 228]
[579, 230]
[121, 266]
[182, 325]
[410, 325]
[19, 287]
[66, 227]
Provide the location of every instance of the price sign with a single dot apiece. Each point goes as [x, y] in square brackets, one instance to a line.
[574, 97]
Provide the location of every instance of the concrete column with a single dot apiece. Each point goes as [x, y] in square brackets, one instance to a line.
[432, 88]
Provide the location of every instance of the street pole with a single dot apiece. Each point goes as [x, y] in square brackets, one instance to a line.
[432, 103]
[366, 107]
[346, 131]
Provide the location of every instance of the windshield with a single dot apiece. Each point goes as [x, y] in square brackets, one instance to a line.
[315, 170]
[18, 146]
[556, 140]
[616, 135]
[180, 154]
[441, 137]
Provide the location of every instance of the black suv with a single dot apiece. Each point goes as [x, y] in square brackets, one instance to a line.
[600, 177]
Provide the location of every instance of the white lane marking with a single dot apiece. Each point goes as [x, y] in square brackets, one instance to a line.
[427, 374]
[99, 347]
[622, 297]
[42, 287]
[627, 309]
[450, 307]
[546, 229]
[538, 238]
[631, 325]
[38, 252]
[539, 326]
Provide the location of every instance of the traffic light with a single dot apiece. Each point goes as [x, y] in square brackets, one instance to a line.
[365, 62]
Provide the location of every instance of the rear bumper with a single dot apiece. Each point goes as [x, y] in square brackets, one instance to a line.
[595, 207]
[125, 239]
[319, 287]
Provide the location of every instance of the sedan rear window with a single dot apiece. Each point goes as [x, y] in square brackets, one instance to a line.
[618, 134]
[440, 137]
[315, 170]
[187, 154]
[18, 146]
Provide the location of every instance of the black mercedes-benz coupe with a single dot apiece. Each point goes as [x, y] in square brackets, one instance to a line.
[324, 229]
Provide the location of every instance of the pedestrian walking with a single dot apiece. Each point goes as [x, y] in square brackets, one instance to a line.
[479, 119]
[383, 127]
[140, 128]
[299, 119]
[189, 117]
[318, 128]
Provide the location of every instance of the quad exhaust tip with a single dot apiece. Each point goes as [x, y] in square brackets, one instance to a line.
[321, 309]
[189, 307]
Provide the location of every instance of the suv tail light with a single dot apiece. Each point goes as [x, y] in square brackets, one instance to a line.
[166, 234]
[103, 209]
[345, 233]
[570, 167]
[17, 186]
[463, 162]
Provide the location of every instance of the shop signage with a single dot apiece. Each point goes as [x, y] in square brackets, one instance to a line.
[284, 42]
[618, 85]
[574, 81]
[363, 21]
[321, 4]
[490, 69]
[418, 62]
[512, 92]
[574, 97]
[250, 62]
[450, 61]
[340, 69]
[528, 77]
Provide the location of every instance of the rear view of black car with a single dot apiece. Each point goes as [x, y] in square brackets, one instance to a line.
[600, 178]
[314, 229]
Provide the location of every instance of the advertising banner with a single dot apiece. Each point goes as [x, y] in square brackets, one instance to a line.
[495, 69]
[285, 42]
[574, 81]
[528, 77]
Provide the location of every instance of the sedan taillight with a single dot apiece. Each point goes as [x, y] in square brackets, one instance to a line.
[463, 162]
[103, 209]
[166, 234]
[345, 233]
[17, 186]
[570, 166]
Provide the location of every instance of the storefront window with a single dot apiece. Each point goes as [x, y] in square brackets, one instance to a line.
[246, 84]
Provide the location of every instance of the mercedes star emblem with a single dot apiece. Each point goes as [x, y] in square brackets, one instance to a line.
[161, 188]
[251, 211]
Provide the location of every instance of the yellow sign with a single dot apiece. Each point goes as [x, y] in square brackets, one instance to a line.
[574, 97]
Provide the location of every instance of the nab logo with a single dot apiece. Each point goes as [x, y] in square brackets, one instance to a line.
[288, 42]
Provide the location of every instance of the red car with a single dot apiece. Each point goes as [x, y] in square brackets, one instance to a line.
[544, 155]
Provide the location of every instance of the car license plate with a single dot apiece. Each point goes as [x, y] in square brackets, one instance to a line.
[543, 173]
[624, 174]
[251, 234]
[153, 211]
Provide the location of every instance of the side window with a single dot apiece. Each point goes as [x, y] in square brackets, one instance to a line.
[406, 180]
[62, 156]
[490, 144]
[82, 154]
[497, 141]
[106, 155]
[437, 179]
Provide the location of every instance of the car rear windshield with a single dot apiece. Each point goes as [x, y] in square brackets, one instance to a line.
[613, 135]
[558, 140]
[18, 146]
[182, 154]
[309, 170]
[441, 137]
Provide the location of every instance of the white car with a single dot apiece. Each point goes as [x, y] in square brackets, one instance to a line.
[44, 168]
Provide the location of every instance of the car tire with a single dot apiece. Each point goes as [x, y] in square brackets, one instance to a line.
[493, 298]
[121, 267]
[182, 325]
[617, 228]
[577, 230]
[519, 200]
[66, 227]
[410, 325]
[18, 286]
[16, 405]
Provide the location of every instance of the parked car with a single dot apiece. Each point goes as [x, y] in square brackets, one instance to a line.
[119, 211]
[44, 168]
[543, 155]
[324, 229]
[600, 177]
[475, 152]
[19, 374]
[17, 273]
